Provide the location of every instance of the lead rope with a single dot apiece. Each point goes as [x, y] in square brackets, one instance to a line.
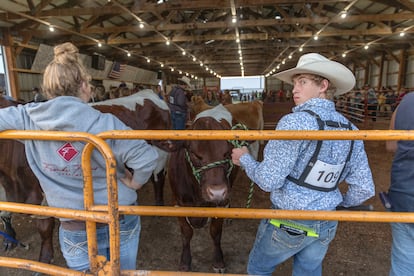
[239, 144]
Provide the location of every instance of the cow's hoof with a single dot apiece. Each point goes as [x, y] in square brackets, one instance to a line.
[220, 270]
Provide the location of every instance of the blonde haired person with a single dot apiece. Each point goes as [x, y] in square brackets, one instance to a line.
[57, 163]
[304, 174]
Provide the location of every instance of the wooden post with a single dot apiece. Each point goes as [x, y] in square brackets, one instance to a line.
[11, 65]
[402, 70]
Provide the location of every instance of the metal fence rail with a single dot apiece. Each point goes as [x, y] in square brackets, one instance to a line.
[110, 213]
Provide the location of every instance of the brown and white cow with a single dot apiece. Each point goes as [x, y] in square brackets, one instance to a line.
[143, 110]
[249, 114]
[201, 175]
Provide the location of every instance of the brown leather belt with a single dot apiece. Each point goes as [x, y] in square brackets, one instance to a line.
[78, 225]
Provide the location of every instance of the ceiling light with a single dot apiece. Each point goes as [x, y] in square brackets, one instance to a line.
[343, 14]
[148, 60]
[141, 25]
[402, 34]
[210, 41]
[300, 49]
[315, 37]
[183, 52]
[128, 54]
[162, 64]
[233, 19]
[167, 42]
[194, 59]
[51, 28]
[344, 55]
[99, 44]
[366, 47]
[238, 40]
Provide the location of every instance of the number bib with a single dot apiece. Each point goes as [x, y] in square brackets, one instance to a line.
[324, 175]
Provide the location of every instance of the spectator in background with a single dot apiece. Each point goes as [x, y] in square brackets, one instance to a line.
[210, 98]
[372, 101]
[159, 92]
[178, 103]
[100, 93]
[113, 92]
[401, 95]
[37, 96]
[124, 91]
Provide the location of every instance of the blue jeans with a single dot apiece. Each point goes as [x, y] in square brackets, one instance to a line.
[178, 120]
[74, 244]
[402, 250]
[274, 246]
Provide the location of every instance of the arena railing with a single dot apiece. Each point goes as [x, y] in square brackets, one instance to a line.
[110, 213]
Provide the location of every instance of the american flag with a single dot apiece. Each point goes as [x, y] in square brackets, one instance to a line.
[117, 69]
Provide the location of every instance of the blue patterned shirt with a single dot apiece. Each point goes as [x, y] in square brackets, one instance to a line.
[290, 157]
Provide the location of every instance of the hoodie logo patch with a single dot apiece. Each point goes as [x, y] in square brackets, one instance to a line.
[68, 152]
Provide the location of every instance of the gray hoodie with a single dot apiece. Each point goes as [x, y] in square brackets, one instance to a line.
[57, 164]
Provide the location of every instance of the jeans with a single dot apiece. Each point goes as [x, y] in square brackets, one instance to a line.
[178, 120]
[274, 246]
[74, 244]
[402, 250]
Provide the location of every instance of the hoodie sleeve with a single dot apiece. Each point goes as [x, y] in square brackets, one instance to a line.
[13, 117]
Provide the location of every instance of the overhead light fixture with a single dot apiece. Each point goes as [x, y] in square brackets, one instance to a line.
[99, 44]
[148, 60]
[51, 28]
[315, 37]
[141, 25]
[128, 54]
[343, 54]
[301, 49]
[402, 34]
[238, 40]
[167, 42]
[366, 47]
[343, 14]
[210, 41]
[233, 19]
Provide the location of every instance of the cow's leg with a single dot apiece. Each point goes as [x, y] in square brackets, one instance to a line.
[8, 229]
[216, 228]
[45, 227]
[158, 182]
[186, 235]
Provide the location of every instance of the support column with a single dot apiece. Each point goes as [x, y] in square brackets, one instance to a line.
[9, 55]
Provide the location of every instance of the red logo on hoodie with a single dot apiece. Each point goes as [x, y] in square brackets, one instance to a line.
[68, 152]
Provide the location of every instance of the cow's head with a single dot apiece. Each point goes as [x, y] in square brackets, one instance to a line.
[210, 160]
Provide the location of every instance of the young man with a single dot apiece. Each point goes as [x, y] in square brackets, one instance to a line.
[304, 174]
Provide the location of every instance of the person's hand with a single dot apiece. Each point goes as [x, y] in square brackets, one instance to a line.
[129, 181]
[237, 153]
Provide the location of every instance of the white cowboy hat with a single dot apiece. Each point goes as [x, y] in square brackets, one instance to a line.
[339, 75]
[185, 80]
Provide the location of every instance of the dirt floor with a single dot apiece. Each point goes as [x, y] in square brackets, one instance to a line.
[358, 249]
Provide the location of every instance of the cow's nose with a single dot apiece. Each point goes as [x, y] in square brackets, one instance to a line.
[217, 194]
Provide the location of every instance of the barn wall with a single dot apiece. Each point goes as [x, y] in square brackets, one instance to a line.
[44, 55]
